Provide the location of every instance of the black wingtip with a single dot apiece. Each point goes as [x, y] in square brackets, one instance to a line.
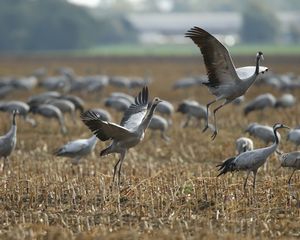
[226, 166]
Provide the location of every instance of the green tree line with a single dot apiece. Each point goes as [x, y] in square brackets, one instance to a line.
[27, 25]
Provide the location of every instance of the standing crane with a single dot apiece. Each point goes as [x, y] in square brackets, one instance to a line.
[77, 149]
[224, 80]
[129, 133]
[290, 160]
[250, 161]
[9, 140]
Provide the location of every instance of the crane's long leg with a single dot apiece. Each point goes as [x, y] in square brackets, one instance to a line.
[289, 181]
[213, 136]
[254, 178]
[206, 122]
[164, 136]
[245, 183]
[115, 169]
[120, 167]
[187, 121]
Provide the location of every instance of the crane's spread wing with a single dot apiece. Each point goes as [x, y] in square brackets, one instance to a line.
[104, 130]
[135, 114]
[219, 65]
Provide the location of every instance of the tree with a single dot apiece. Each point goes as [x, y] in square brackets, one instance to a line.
[260, 24]
[56, 25]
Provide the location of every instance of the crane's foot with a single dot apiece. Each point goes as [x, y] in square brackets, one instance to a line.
[213, 136]
[204, 129]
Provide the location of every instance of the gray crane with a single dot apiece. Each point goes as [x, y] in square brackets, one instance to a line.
[294, 136]
[21, 107]
[260, 103]
[263, 132]
[290, 160]
[285, 101]
[224, 81]
[166, 108]
[193, 110]
[129, 133]
[77, 149]
[119, 104]
[8, 141]
[77, 101]
[65, 106]
[243, 144]
[103, 114]
[250, 161]
[158, 123]
[50, 111]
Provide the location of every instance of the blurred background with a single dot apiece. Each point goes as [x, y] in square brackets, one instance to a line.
[116, 27]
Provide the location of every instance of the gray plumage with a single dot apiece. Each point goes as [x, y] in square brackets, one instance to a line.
[224, 81]
[77, 149]
[290, 160]
[77, 101]
[122, 95]
[119, 104]
[285, 101]
[263, 132]
[192, 109]
[119, 81]
[187, 82]
[160, 124]
[260, 103]
[250, 161]
[21, 107]
[294, 136]
[42, 98]
[129, 133]
[165, 108]
[9, 140]
[50, 111]
[65, 106]
[243, 144]
[102, 114]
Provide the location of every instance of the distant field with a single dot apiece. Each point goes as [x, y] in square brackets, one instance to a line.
[185, 50]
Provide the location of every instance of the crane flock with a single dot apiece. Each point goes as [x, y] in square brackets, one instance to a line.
[226, 82]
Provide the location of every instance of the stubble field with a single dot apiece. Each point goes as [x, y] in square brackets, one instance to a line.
[169, 190]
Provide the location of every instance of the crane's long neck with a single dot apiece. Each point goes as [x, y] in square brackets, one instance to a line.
[274, 146]
[146, 121]
[257, 66]
[252, 79]
[13, 129]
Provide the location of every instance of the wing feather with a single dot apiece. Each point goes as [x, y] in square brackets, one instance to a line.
[104, 130]
[218, 62]
[135, 114]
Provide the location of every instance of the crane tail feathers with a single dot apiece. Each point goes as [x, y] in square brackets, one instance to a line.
[227, 166]
[105, 151]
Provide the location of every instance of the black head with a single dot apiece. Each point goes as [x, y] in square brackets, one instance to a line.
[260, 55]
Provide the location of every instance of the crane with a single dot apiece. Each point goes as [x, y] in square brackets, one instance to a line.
[251, 161]
[9, 140]
[291, 160]
[77, 149]
[224, 80]
[129, 133]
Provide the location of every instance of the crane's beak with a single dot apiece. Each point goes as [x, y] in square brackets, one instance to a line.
[284, 126]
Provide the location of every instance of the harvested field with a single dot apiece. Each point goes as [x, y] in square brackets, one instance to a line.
[169, 190]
